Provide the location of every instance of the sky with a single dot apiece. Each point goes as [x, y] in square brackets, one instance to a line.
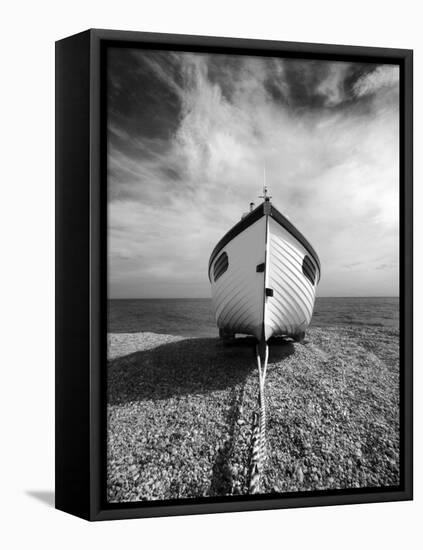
[189, 135]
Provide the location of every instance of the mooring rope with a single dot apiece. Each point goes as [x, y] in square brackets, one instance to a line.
[258, 453]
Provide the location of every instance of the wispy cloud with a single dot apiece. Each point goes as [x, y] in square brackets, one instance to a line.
[326, 132]
[385, 76]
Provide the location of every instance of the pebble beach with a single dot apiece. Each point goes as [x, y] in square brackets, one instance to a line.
[180, 413]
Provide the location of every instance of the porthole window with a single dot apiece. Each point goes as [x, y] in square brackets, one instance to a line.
[220, 266]
[309, 269]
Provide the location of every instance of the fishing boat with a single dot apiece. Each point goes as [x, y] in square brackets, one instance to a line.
[263, 275]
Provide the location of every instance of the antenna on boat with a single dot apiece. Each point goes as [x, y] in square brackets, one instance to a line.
[265, 196]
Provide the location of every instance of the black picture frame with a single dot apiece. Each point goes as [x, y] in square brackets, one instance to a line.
[81, 279]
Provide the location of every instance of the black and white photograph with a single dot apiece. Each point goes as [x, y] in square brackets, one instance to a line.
[210, 242]
[253, 275]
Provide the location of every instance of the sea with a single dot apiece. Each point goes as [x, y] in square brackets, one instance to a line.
[194, 317]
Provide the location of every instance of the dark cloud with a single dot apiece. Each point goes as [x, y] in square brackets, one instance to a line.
[139, 101]
[225, 71]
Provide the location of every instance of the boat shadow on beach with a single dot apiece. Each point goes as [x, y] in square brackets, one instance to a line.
[187, 367]
[185, 374]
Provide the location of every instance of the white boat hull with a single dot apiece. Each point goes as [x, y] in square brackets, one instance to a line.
[266, 284]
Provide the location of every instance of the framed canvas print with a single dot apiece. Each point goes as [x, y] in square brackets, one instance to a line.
[234, 274]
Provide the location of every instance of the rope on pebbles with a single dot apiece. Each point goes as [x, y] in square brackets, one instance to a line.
[258, 453]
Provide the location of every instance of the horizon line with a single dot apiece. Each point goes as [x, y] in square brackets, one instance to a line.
[209, 297]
